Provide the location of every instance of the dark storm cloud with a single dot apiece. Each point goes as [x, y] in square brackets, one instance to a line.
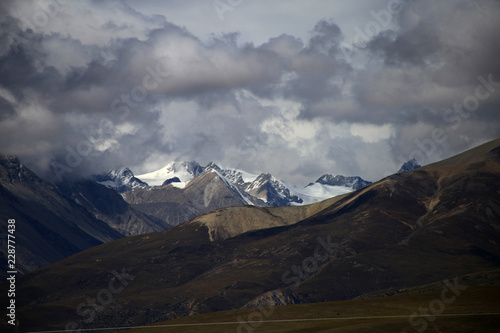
[440, 56]
[53, 112]
[325, 38]
[436, 58]
[440, 49]
[7, 110]
[18, 67]
[455, 38]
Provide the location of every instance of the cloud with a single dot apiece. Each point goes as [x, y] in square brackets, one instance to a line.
[431, 64]
[95, 85]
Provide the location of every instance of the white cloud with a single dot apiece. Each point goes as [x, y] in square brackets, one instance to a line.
[372, 133]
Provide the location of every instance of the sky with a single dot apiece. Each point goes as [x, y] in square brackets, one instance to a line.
[294, 88]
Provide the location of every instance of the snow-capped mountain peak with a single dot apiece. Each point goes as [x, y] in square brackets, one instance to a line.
[235, 176]
[261, 189]
[184, 171]
[121, 180]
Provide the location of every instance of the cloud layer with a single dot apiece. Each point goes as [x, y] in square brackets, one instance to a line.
[92, 85]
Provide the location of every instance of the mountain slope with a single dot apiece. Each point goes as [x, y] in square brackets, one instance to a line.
[49, 226]
[409, 229]
[233, 221]
[173, 205]
[211, 191]
[108, 205]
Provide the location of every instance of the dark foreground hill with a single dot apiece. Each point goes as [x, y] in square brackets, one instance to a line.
[475, 309]
[49, 225]
[410, 229]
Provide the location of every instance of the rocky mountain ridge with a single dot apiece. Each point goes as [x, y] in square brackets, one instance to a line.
[262, 190]
[338, 180]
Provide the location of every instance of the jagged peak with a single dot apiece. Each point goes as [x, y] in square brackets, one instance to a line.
[409, 165]
[122, 180]
[354, 182]
[124, 171]
[213, 165]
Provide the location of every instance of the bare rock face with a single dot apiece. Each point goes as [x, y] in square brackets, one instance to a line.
[271, 299]
[171, 180]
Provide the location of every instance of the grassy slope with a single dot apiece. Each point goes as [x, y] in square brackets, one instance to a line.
[343, 316]
[233, 221]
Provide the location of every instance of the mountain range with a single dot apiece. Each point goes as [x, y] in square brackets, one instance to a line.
[261, 190]
[63, 219]
[181, 191]
[409, 231]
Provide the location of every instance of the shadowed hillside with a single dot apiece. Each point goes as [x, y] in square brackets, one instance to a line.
[50, 226]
